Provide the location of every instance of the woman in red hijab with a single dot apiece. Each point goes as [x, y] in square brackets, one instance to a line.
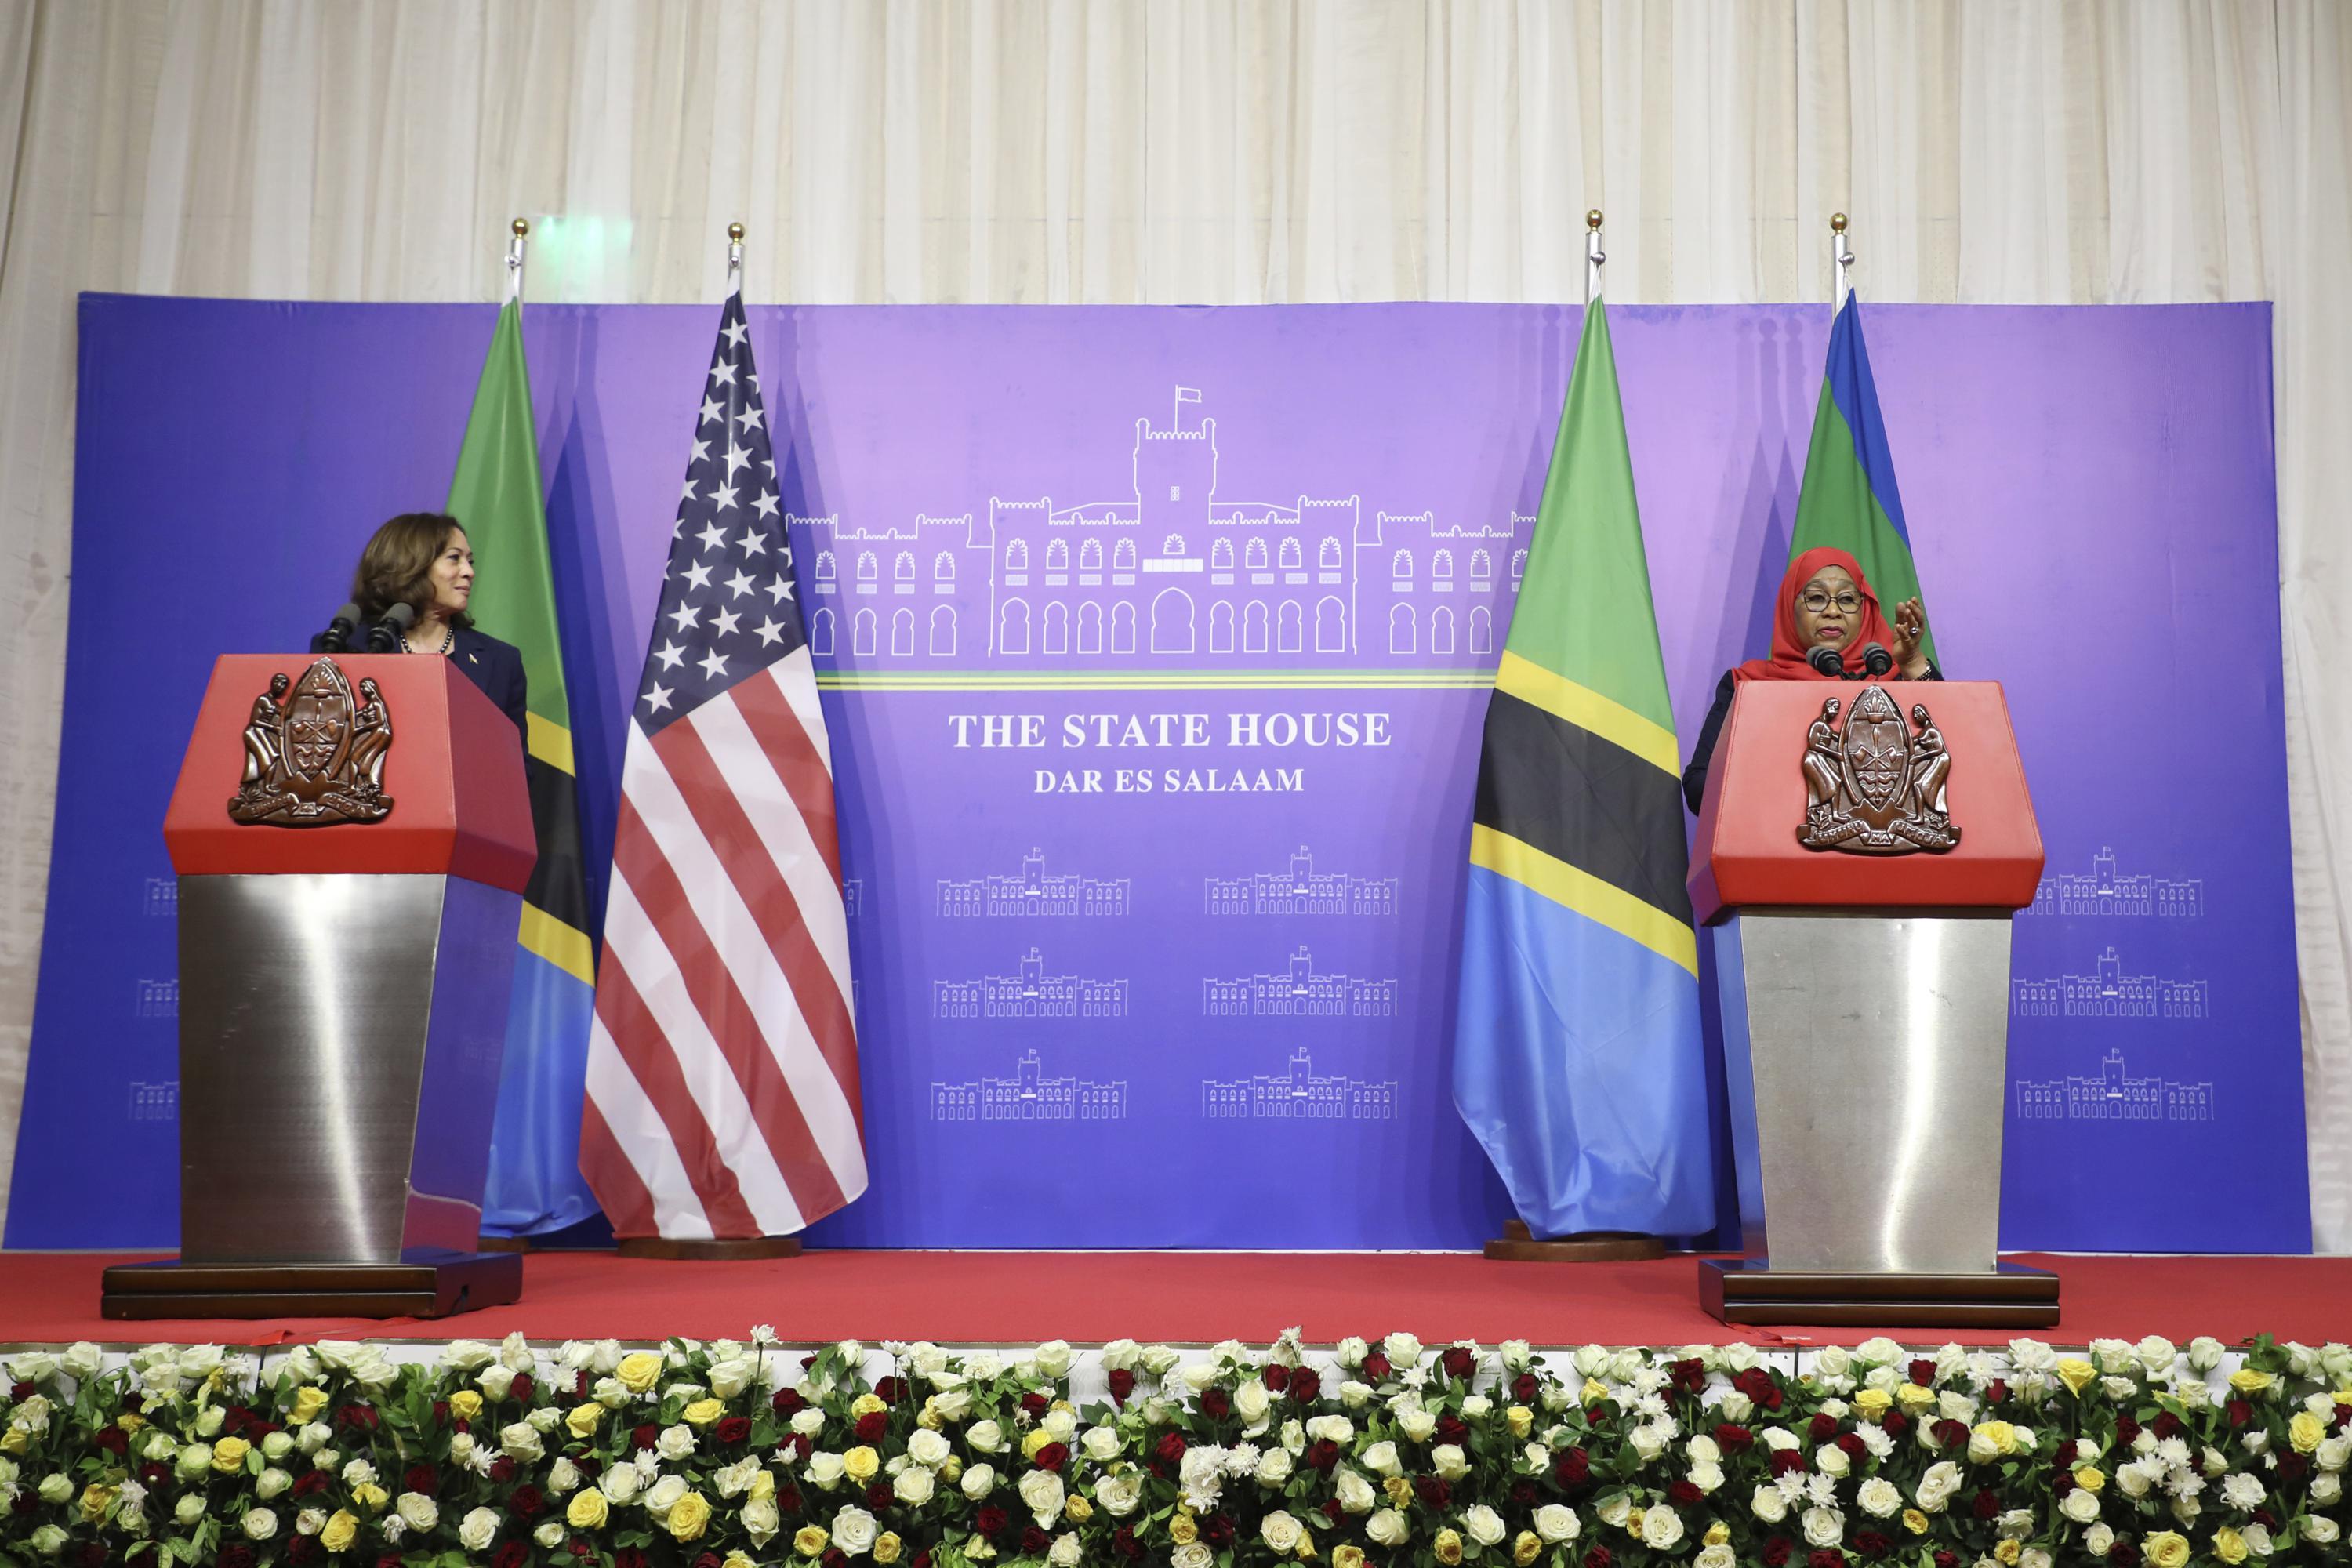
[1824, 623]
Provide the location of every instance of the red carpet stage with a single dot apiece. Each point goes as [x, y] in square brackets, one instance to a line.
[990, 1298]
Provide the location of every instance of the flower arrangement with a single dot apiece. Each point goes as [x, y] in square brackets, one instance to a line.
[730, 1455]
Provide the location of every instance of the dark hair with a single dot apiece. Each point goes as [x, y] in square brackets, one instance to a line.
[396, 566]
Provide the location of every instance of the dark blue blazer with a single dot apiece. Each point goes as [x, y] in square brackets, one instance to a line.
[494, 667]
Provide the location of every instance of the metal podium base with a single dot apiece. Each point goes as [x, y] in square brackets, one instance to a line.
[424, 1284]
[2012, 1297]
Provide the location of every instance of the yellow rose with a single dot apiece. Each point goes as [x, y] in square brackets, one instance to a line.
[703, 1412]
[737, 1559]
[1346, 1557]
[2091, 1479]
[2246, 1380]
[763, 1487]
[2306, 1431]
[1914, 1522]
[1527, 1548]
[1077, 1509]
[1717, 1534]
[638, 1370]
[867, 1404]
[341, 1531]
[586, 1511]
[585, 1419]
[307, 1403]
[688, 1516]
[1521, 1421]
[1399, 1491]
[1034, 1441]
[228, 1455]
[810, 1541]
[2165, 1549]
[1591, 1393]
[2076, 1374]
[2008, 1551]
[885, 1549]
[13, 1440]
[2001, 1435]
[1872, 1403]
[1448, 1547]
[466, 1405]
[130, 1421]
[952, 1472]
[2228, 1545]
[1181, 1529]
[1913, 1398]
[370, 1497]
[929, 1419]
[95, 1499]
[860, 1463]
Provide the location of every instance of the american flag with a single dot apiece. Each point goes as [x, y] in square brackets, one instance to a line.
[722, 1068]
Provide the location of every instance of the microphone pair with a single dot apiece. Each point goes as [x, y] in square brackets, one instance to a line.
[383, 636]
[1876, 660]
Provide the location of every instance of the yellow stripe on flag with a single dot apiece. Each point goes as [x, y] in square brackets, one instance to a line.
[551, 743]
[1588, 710]
[562, 946]
[1585, 893]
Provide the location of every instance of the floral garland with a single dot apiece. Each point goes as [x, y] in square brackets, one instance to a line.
[730, 1455]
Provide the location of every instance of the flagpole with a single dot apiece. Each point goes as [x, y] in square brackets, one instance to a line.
[521, 230]
[1592, 256]
[1843, 256]
[734, 259]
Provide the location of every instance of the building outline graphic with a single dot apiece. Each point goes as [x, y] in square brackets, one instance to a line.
[157, 1101]
[1029, 1096]
[1300, 990]
[1298, 889]
[156, 999]
[2109, 993]
[1033, 890]
[1029, 992]
[1298, 1093]
[2114, 1095]
[2110, 892]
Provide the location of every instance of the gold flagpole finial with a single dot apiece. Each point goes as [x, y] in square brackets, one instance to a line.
[735, 233]
[1837, 223]
[1592, 219]
[521, 228]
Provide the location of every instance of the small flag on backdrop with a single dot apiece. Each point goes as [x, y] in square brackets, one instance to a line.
[722, 1068]
[1576, 1056]
[534, 1184]
[1849, 500]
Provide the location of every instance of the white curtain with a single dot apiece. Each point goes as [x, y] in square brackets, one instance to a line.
[1198, 150]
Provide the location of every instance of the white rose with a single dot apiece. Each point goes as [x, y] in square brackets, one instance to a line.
[1769, 1505]
[2098, 1540]
[1387, 1528]
[1382, 1459]
[418, 1511]
[1402, 1351]
[822, 1469]
[1115, 1495]
[549, 1535]
[1054, 1358]
[519, 1442]
[1200, 1374]
[1648, 1442]
[854, 1531]
[1355, 1395]
[1779, 1438]
[496, 1382]
[271, 1482]
[914, 1485]
[1939, 1486]
[1476, 1405]
[2326, 1488]
[1831, 1460]
[1250, 1402]
[808, 1423]
[2081, 1505]
[1823, 1526]
[761, 1520]
[1717, 1556]
[732, 1377]
[1485, 1526]
[2132, 1480]
[1042, 1491]
[1661, 1526]
[1737, 1407]
[477, 1530]
[309, 1522]
[1880, 1497]
[1059, 1425]
[984, 1437]
[259, 1525]
[1158, 1359]
[1281, 1532]
[620, 1483]
[1448, 1460]
[1065, 1551]
[2320, 1529]
[1416, 1423]
[1591, 1361]
[1355, 1493]
[1555, 1523]
[664, 1496]
[927, 1448]
[1192, 1555]
[2334, 1452]
[1274, 1467]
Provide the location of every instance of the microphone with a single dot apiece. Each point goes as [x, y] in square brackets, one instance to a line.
[338, 635]
[385, 634]
[1826, 661]
[1876, 659]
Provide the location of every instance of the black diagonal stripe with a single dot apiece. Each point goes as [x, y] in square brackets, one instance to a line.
[1585, 800]
[558, 884]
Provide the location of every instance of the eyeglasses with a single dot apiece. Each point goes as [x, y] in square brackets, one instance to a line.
[1818, 602]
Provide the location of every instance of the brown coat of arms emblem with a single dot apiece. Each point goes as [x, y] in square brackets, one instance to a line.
[313, 753]
[1876, 787]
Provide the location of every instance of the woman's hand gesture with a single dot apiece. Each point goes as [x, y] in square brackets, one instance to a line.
[1910, 624]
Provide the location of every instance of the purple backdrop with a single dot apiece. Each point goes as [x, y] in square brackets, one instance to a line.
[1106, 1018]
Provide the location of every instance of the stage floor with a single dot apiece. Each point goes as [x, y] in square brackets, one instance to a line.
[1008, 1298]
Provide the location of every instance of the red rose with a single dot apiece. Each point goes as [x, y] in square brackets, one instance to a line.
[1997, 1391]
[586, 1466]
[1686, 1493]
[1823, 1429]
[2238, 1412]
[1871, 1543]
[872, 1425]
[1733, 1438]
[420, 1479]
[521, 1390]
[2343, 1414]
[734, 1429]
[1574, 1465]
[1523, 1388]
[2125, 1430]
[1951, 1434]
[357, 1419]
[630, 1557]
[1895, 1423]
[1323, 1455]
[303, 1549]
[1825, 1557]
[152, 1475]
[113, 1439]
[312, 1482]
[1305, 1385]
[877, 1496]
[1777, 1551]
[890, 1390]
[1034, 1540]
[1988, 1503]
[2294, 1467]
[440, 1413]
[991, 1520]
[388, 1560]
[2167, 1425]
[645, 1436]
[1855, 1448]
[238, 1555]
[2266, 1518]
[527, 1501]
[1277, 1377]
[1216, 1403]
[1523, 1493]
[708, 1560]
[1923, 1372]
[1217, 1530]
[1598, 1557]
[1689, 1374]
[1459, 1362]
[580, 1385]
[1125, 1544]
[1170, 1446]
[786, 1402]
[502, 1469]
[93, 1554]
[834, 1558]
[19, 1393]
[788, 1503]
[1787, 1461]
[1122, 1383]
[1332, 1510]
[1947, 1560]
[579, 1546]
[1033, 1402]
[1435, 1492]
[922, 1559]
[2124, 1554]
[25, 1502]
[1451, 1429]
[1376, 1366]
[1052, 1457]
[802, 1446]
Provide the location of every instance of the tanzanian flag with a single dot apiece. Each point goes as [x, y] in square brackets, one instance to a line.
[1577, 1057]
[535, 1184]
[1849, 500]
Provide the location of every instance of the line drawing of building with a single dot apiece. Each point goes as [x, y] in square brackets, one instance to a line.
[1299, 1092]
[2109, 993]
[2114, 1095]
[1029, 1096]
[2107, 891]
[162, 898]
[853, 897]
[1298, 889]
[1173, 567]
[1029, 992]
[157, 999]
[155, 1101]
[1034, 891]
[1299, 992]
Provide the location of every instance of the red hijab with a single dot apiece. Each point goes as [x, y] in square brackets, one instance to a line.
[1788, 648]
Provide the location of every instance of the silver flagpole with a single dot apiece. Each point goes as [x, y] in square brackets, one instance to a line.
[521, 228]
[1592, 256]
[1844, 257]
[734, 259]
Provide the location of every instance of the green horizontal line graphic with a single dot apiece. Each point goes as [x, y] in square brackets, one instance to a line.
[1146, 680]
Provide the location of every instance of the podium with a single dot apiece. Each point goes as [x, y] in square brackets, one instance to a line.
[352, 835]
[1855, 871]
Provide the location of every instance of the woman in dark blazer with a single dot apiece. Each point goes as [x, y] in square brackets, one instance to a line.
[423, 559]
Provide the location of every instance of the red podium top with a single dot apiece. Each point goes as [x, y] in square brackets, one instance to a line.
[1747, 852]
[453, 773]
